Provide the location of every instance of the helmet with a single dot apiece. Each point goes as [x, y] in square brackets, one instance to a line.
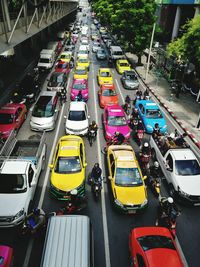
[170, 200]
[146, 144]
[156, 164]
[36, 211]
[96, 165]
[74, 192]
[117, 133]
[135, 109]
[172, 135]
[93, 122]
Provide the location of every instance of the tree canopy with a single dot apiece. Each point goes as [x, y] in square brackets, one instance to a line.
[187, 47]
[131, 20]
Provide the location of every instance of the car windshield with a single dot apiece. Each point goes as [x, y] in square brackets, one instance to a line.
[154, 114]
[62, 65]
[128, 177]
[79, 86]
[80, 72]
[68, 165]
[56, 78]
[187, 167]
[12, 183]
[109, 92]
[105, 74]
[131, 77]
[6, 118]
[83, 60]
[44, 60]
[124, 64]
[65, 56]
[77, 116]
[116, 121]
[155, 241]
[44, 107]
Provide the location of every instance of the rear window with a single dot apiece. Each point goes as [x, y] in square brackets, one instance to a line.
[155, 241]
[77, 116]
[187, 167]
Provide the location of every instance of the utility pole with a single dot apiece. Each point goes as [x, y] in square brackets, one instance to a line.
[150, 48]
[198, 121]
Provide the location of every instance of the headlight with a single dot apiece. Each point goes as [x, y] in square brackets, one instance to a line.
[19, 214]
[149, 126]
[118, 203]
[144, 203]
[183, 193]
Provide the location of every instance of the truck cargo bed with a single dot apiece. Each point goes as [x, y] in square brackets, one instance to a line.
[25, 149]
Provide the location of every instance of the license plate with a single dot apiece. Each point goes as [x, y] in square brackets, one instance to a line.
[131, 211]
[66, 197]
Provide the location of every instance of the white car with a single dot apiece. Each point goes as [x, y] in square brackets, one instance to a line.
[96, 46]
[84, 41]
[77, 120]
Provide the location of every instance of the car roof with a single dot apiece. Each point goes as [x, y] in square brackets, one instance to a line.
[79, 106]
[125, 157]
[115, 110]
[148, 104]
[183, 154]
[69, 145]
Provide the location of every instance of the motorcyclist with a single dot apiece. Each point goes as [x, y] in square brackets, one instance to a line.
[96, 172]
[128, 99]
[155, 170]
[36, 219]
[63, 95]
[156, 131]
[146, 150]
[79, 97]
[146, 95]
[140, 126]
[135, 113]
[138, 96]
[118, 138]
[93, 127]
[166, 208]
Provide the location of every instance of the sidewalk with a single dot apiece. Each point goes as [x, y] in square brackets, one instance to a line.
[184, 110]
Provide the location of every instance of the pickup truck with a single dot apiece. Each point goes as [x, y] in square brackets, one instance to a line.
[181, 169]
[21, 162]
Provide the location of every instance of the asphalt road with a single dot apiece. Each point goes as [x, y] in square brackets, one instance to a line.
[111, 229]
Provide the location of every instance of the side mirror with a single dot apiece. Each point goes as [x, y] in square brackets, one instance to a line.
[51, 166]
[17, 120]
[85, 165]
[145, 177]
[32, 184]
[109, 177]
[169, 169]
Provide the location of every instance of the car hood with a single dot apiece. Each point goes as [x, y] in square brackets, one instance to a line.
[130, 195]
[189, 184]
[11, 204]
[106, 100]
[76, 125]
[122, 129]
[67, 182]
[41, 121]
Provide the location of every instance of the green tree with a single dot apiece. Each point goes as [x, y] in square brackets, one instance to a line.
[131, 20]
[187, 47]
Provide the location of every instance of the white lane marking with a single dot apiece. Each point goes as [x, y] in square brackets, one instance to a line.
[30, 244]
[103, 202]
[122, 97]
[181, 252]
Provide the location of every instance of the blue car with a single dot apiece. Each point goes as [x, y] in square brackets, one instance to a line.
[151, 114]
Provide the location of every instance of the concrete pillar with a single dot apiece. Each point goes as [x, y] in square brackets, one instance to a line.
[197, 11]
[176, 23]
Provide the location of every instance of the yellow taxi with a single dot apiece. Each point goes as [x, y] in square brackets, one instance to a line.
[127, 182]
[65, 56]
[122, 65]
[83, 61]
[68, 167]
[81, 73]
[104, 76]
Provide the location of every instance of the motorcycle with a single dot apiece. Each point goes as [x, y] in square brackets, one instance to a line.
[145, 159]
[34, 222]
[155, 184]
[126, 107]
[72, 207]
[139, 136]
[91, 136]
[96, 188]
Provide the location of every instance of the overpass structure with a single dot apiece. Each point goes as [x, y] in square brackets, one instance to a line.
[31, 18]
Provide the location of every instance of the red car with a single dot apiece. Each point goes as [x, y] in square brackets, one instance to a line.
[153, 247]
[107, 95]
[62, 66]
[11, 118]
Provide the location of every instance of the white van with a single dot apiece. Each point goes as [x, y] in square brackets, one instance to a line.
[46, 61]
[68, 242]
[116, 52]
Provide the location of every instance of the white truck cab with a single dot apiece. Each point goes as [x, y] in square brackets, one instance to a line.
[47, 59]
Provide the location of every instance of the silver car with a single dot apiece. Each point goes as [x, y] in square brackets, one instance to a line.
[45, 112]
[129, 80]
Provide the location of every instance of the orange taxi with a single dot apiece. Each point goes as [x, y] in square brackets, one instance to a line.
[107, 95]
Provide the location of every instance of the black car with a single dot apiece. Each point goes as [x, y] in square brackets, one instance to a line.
[129, 80]
[57, 81]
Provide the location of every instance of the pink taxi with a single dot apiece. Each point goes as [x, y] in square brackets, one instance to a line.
[114, 120]
[77, 86]
[6, 256]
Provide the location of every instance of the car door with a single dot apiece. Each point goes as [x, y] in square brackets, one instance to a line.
[112, 172]
[105, 118]
[32, 181]
[169, 168]
[18, 118]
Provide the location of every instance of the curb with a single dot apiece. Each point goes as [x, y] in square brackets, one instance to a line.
[192, 137]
